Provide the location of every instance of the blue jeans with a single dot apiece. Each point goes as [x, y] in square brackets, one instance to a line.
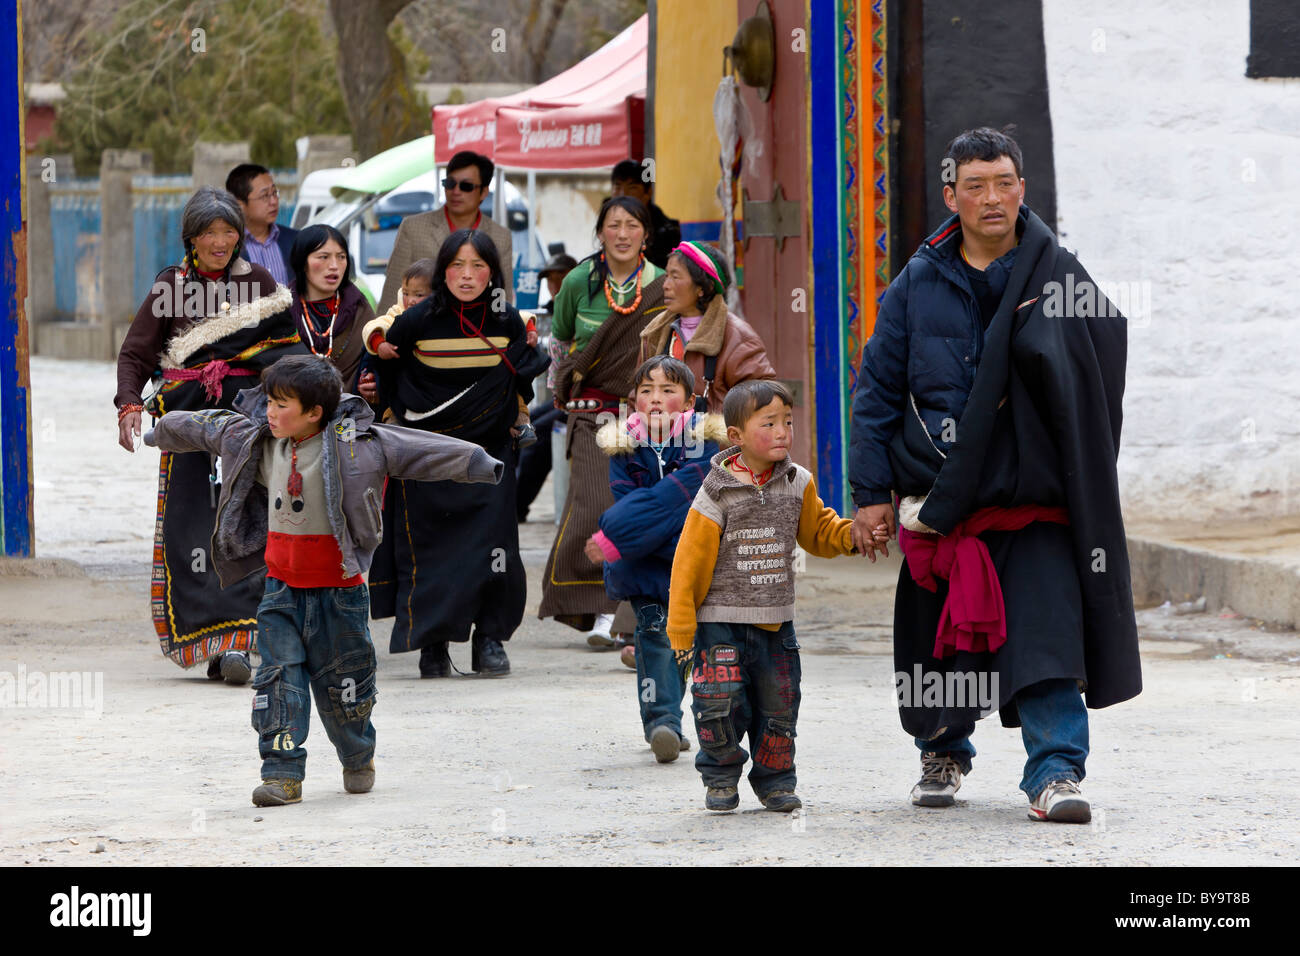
[318, 637]
[660, 683]
[1053, 725]
[746, 681]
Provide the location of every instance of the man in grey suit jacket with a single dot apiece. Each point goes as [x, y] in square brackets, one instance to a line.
[468, 177]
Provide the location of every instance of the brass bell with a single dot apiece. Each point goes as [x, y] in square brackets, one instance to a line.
[753, 51]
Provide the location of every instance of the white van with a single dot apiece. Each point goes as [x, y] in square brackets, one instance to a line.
[314, 194]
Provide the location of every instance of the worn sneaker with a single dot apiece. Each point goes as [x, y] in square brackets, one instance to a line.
[599, 635]
[359, 781]
[686, 744]
[940, 779]
[1060, 801]
[782, 801]
[666, 743]
[277, 792]
[235, 667]
[721, 798]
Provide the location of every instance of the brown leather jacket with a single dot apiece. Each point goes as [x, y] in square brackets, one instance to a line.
[741, 353]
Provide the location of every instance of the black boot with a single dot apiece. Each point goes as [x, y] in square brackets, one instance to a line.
[434, 660]
[488, 658]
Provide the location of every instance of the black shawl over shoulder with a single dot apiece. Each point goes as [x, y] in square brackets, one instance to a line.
[1041, 426]
[476, 403]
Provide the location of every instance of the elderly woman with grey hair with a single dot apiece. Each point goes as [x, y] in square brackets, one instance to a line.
[205, 331]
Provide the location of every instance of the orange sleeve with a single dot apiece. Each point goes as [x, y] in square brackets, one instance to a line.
[822, 532]
[697, 553]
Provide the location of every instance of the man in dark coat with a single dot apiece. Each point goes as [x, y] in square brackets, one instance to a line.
[992, 409]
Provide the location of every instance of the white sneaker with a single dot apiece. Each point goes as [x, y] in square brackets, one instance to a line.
[599, 636]
[1060, 801]
[940, 780]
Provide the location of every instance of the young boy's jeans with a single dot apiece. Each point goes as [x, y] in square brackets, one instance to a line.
[660, 683]
[746, 681]
[1054, 726]
[318, 637]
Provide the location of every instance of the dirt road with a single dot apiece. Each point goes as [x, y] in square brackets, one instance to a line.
[548, 765]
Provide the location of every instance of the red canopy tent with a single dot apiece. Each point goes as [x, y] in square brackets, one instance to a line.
[590, 116]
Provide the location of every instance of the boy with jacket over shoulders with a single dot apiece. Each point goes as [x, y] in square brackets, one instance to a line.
[306, 460]
[732, 596]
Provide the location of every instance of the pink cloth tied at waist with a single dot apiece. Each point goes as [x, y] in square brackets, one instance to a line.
[974, 617]
[209, 375]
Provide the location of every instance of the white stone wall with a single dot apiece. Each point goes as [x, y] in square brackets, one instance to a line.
[1175, 169]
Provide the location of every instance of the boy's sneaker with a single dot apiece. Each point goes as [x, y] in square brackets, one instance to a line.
[1060, 801]
[628, 656]
[235, 667]
[721, 798]
[599, 635]
[666, 743]
[940, 780]
[359, 781]
[276, 792]
[782, 801]
[685, 744]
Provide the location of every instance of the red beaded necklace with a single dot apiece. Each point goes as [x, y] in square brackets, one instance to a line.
[294, 485]
[762, 478]
[333, 305]
[609, 296]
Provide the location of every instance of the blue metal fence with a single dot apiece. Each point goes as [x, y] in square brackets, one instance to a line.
[74, 222]
[156, 204]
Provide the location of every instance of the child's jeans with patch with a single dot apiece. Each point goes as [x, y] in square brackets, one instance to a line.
[317, 637]
[745, 680]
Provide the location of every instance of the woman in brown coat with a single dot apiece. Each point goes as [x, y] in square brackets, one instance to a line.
[720, 348]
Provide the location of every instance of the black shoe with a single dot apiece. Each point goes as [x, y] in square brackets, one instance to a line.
[214, 668]
[488, 658]
[434, 660]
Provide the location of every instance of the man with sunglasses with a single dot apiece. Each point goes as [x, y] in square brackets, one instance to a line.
[266, 243]
[469, 175]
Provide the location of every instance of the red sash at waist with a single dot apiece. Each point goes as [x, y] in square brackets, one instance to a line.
[209, 375]
[974, 617]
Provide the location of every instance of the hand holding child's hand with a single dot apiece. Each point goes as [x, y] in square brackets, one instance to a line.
[386, 351]
[873, 526]
[592, 550]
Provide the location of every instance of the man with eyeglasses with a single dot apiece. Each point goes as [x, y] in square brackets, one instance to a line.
[469, 175]
[266, 243]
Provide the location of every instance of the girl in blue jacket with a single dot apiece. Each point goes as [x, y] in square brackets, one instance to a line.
[658, 458]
